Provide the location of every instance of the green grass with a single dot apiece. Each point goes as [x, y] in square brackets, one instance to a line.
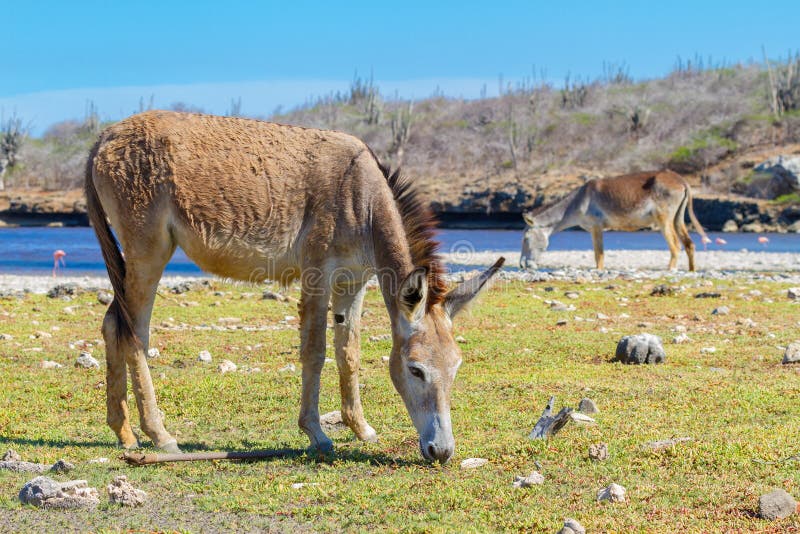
[739, 404]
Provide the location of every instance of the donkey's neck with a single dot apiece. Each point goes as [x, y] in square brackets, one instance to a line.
[391, 255]
[560, 215]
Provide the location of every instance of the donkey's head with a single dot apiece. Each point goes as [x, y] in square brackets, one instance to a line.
[534, 241]
[425, 356]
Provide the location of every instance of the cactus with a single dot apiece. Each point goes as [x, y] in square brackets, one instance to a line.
[401, 130]
[12, 136]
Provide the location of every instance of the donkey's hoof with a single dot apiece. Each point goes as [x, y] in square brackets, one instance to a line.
[369, 435]
[128, 445]
[323, 446]
[171, 447]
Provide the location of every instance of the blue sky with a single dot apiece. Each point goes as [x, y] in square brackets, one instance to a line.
[282, 53]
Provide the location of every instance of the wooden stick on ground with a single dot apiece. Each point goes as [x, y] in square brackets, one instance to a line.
[139, 459]
[548, 425]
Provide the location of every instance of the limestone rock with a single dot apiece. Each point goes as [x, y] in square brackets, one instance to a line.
[776, 505]
[793, 293]
[153, 353]
[104, 297]
[204, 356]
[639, 349]
[472, 463]
[598, 452]
[730, 226]
[571, 526]
[722, 310]
[87, 361]
[226, 366]
[792, 353]
[288, 368]
[587, 405]
[49, 364]
[122, 492]
[613, 493]
[533, 479]
[45, 492]
[332, 421]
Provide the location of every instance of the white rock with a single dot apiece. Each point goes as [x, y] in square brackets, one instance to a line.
[226, 366]
[204, 356]
[579, 417]
[45, 492]
[571, 526]
[792, 353]
[122, 492]
[533, 479]
[87, 361]
[6, 337]
[298, 485]
[613, 493]
[708, 350]
[385, 359]
[101, 460]
[681, 338]
[288, 368]
[472, 463]
[48, 364]
[153, 352]
[793, 293]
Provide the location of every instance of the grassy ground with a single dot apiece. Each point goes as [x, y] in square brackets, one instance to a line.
[738, 403]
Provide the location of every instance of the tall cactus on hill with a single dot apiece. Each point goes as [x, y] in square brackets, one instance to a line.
[12, 136]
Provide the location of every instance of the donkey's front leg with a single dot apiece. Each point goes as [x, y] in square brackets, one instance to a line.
[313, 324]
[346, 304]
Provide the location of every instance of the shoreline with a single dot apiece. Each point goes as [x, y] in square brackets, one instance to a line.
[554, 265]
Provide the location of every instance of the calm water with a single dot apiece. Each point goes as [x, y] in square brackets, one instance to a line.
[30, 250]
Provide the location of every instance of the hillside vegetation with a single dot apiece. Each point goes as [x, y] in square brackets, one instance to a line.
[534, 138]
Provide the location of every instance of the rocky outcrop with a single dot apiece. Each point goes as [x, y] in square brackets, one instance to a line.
[775, 177]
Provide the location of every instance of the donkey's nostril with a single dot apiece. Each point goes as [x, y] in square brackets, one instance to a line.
[432, 451]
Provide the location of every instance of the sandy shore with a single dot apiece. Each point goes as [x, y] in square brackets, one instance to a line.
[553, 265]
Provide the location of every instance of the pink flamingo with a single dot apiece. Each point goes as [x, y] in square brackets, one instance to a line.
[705, 240]
[58, 257]
[763, 240]
[720, 241]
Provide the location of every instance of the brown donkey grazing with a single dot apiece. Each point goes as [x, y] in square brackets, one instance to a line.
[252, 200]
[646, 200]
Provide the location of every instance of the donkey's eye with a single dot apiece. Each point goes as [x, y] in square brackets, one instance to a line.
[416, 371]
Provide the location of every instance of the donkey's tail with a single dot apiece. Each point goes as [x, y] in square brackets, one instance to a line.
[112, 255]
[692, 217]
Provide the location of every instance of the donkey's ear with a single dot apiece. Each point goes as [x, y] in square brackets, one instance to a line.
[528, 218]
[463, 293]
[413, 294]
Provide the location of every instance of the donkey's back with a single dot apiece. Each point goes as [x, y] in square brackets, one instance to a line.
[240, 196]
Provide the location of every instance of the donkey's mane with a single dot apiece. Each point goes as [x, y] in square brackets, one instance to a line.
[420, 224]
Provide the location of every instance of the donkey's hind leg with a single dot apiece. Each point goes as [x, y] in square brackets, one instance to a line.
[683, 235]
[597, 243]
[117, 415]
[346, 303]
[672, 242]
[143, 273]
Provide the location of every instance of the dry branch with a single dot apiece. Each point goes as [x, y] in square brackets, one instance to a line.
[139, 459]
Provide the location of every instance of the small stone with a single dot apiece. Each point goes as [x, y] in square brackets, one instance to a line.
[87, 361]
[534, 479]
[461, 339]
[385, 359]
[204, 356]
[663, 290]
[587, 405]
[602, 316]
[598, 452]
[722, 310]
[708, 295]
[640, 349]
[226, 366]
[381, 337]
[288, 368]
[665, 443]
[792, 353]
[708, 350]
[11, 456]
[62, 466]
[561, 322]
[472, 463]
[122, 492]
[298, 485]
[776, 505]
[571, 526]
[793, 293]
[613, 493]
[49, 364]
[101, 460]
[681, 338]
[572, 294]
[560, 306]
[153, 353]
[104, 297]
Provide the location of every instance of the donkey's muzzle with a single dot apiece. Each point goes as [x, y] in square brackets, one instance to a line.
[436, 452]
